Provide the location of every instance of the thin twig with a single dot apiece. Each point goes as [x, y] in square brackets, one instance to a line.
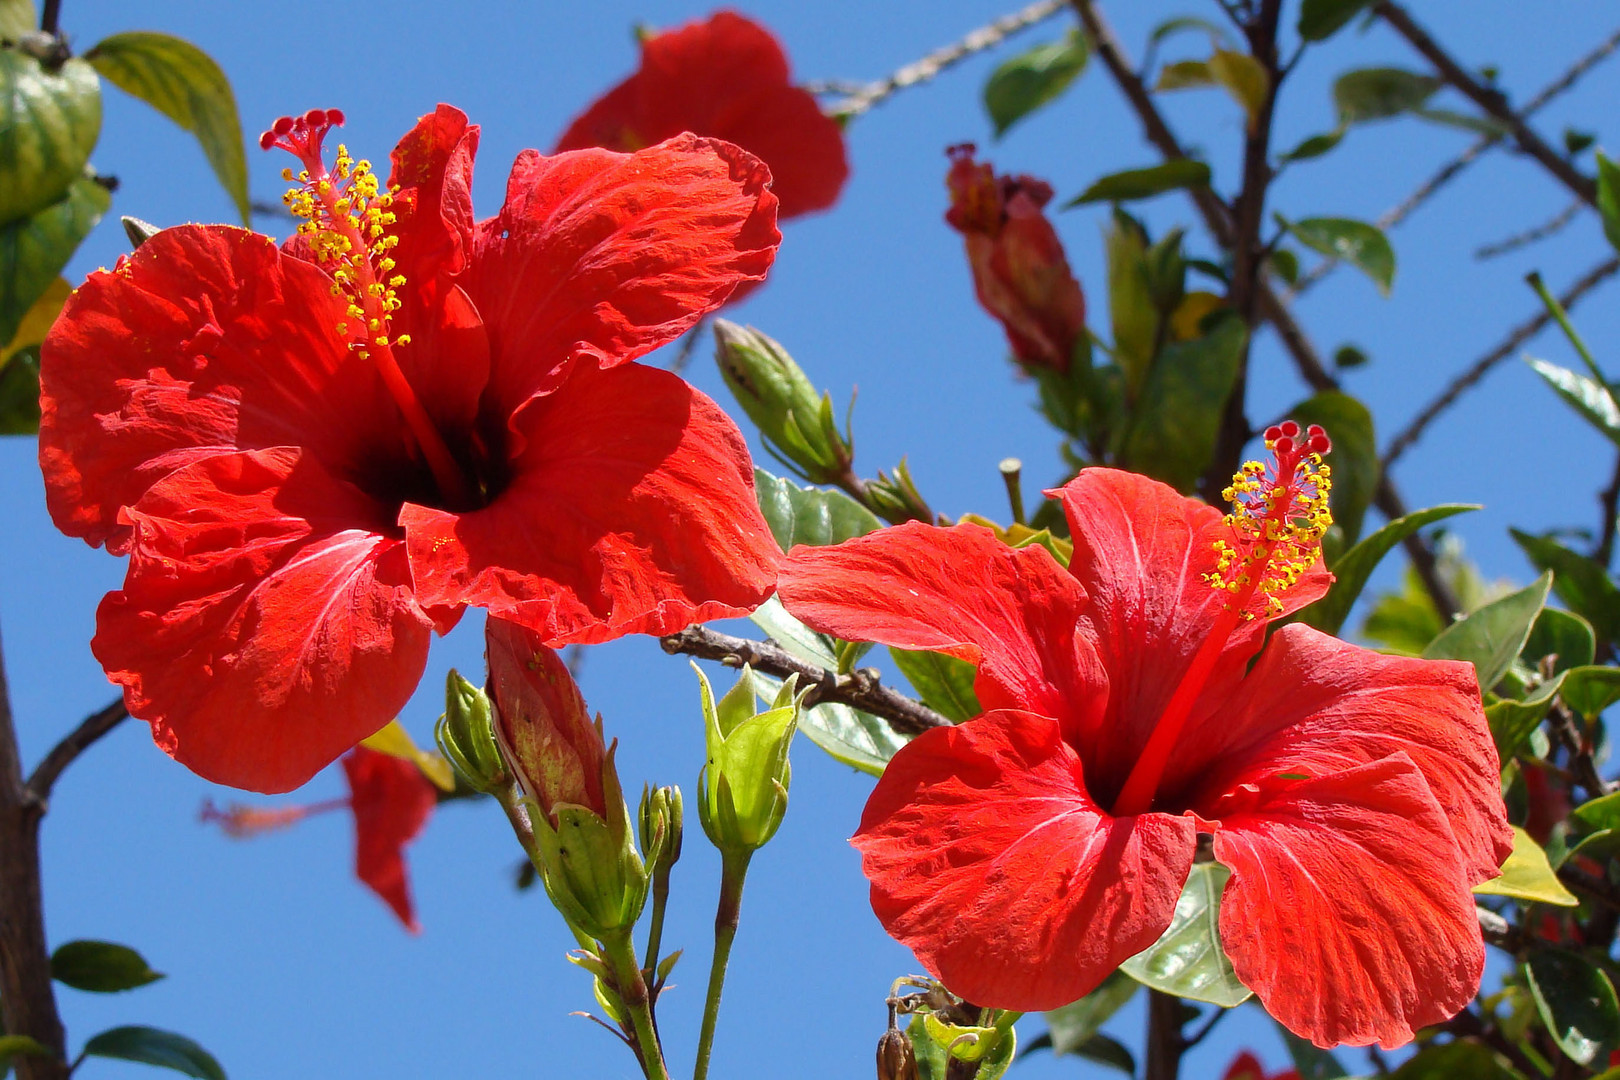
[860, 689]
[77, 742]
[1516, 337]
[920, 71]
[1550, 227]
[50, 17]
[1499, 932]
[1609, 504]
[1447, 172]
[1489, 99]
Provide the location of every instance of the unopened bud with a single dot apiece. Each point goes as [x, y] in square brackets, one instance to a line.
[744, 787]
[778, 397]
[466, 736]
[895, 1058]
[661, 827]
[584, 843]
[138, 231]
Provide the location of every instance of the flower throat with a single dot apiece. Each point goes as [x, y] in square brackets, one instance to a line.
[1279, 515]
[345, 215]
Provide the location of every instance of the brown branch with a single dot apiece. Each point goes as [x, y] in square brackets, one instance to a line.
[859, 689]
[1499, 932]
[1609, 507]
[1516, 337]
[1533, 235]
[1490, 100]
[919, 71]
[77, 742]
[27, 999]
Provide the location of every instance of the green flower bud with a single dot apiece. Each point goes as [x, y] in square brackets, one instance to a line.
[743, 790]
[661, 827]
[797, 424]
[466, 737]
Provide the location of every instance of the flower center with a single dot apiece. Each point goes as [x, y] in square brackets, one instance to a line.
[1278, 518]
[344, 213]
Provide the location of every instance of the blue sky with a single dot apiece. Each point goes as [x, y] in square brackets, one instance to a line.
[281, 964]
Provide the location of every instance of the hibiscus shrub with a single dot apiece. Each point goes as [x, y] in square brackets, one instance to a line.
[1138, 756]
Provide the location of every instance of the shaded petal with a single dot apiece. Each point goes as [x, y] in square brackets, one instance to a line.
[607, 256]
[1012, 611]
[990, 861]
[1348, 912]
[392, 801]
[1314, 704]
[205, 340]
[1141, 550]
[265, 626]
[447, 361]
[631, 511]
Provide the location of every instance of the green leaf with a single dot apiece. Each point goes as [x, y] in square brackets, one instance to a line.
[1144, 183]
[1491, 637]
[1310, 1060]
[151, 1046]
[17, 17]
[1132, 313]
[1188, 960]
[1315, 146]
[1352, 569]
[183, 83]
[1563, 635]
[1172, 431]
[101, 967]
[1238, 73]
[1586, 396]
[1076, 1023]
[1589, 690]
[1527, 875]
[1354, 457]
[1513, 720]
[1361, 245]
[944, 683]
[14, 1046]
[1033, 79]
[1608, 201]
[1453, 1061]
[1180, 23]
[1600, 813]
[34, 249]
[1380, 93]
[813, 516]
[51, 121]
[1479, 125]
[1577, 1003]
[1320, 20]
[1580, 582]
[19, 393]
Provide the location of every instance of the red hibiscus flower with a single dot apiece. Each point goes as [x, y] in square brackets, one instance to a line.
[391, 800]
[1024, 854]
[1247, 1067]
[1020, 272]
[726, 78]
[315, 454]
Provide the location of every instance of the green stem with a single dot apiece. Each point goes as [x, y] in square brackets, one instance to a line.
[655, 932]
[620, 954]
[733, 869]
[1556, 310]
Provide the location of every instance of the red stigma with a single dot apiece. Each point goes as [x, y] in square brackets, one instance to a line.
[1289, 429]
[301, 136]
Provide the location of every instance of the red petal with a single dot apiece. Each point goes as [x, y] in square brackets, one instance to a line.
[447, 360]
[607, 256]
[265, 627]
[206, 340]
[726, 77]
[989, 860]
[1141, 550]
[631, 510]
[1314, 704]
[392, 801]
[961, 591]
[1348, 912]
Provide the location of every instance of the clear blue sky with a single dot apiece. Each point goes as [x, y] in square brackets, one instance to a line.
[281, 963]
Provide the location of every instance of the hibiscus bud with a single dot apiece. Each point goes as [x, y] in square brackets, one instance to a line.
[138, 231]
[781, 400]
[1020, 272]
[743, 789]
[584, 843]
[661, 828]
[466, 736]
[895, 1058]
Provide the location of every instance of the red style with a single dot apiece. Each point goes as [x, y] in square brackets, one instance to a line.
[727, 78]
[1020, 272]
[316, 454]
[1024, 854]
